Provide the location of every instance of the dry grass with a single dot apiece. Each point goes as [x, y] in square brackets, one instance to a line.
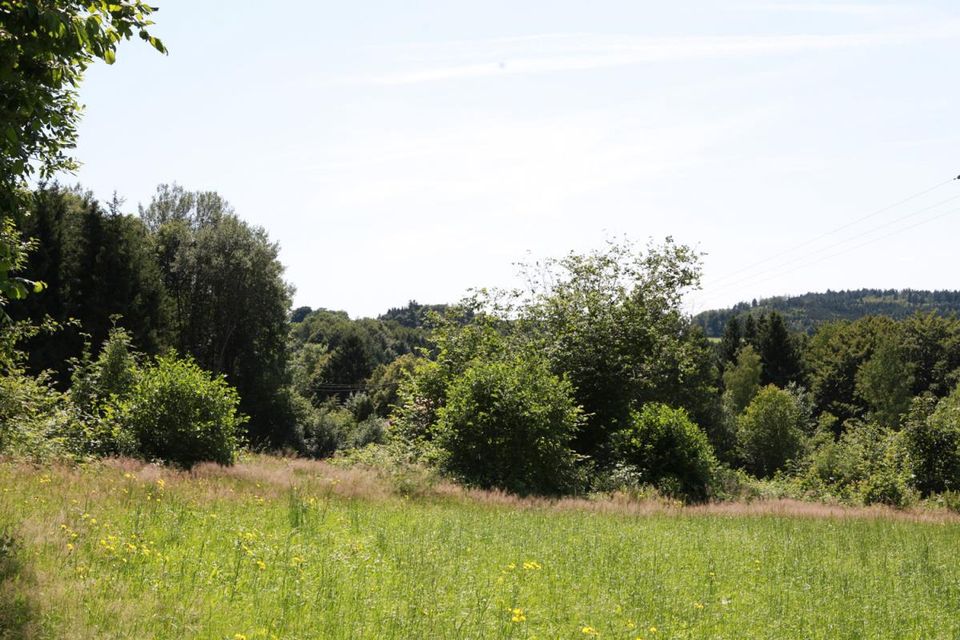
[273, 476]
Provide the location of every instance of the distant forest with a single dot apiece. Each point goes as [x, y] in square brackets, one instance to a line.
[806, 312]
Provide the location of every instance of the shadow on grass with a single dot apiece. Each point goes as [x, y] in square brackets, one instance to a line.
[18, 612]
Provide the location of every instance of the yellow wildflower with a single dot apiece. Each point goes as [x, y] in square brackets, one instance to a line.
[589, 631]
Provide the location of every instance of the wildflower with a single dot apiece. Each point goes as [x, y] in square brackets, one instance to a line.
[653, 629]
[589, 631]
[239, 636]
[261, 565]
[69, 546]
[698, 605]
[517, 615]
[531, 565]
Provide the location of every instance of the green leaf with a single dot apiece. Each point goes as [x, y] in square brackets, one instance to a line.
[109, 56]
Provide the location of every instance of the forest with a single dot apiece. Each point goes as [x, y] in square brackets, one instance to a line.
[169, 335]
[808, 311]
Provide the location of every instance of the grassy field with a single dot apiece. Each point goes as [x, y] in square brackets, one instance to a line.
[277, 549]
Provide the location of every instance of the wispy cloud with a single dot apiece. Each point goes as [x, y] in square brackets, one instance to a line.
[843, 8]
[552, 53]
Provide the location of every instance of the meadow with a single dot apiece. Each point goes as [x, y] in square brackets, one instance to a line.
[275, 548]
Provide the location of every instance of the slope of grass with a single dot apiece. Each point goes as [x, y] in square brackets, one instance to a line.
[272, 549]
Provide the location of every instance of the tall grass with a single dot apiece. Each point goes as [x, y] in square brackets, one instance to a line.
[272, 549]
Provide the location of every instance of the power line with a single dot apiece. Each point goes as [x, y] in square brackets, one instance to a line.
[853, 238]
[847, 225]
[855, 247]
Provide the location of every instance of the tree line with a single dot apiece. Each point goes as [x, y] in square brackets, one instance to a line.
[808, 311]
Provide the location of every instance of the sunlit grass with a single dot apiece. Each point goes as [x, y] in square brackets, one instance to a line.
[268, 551]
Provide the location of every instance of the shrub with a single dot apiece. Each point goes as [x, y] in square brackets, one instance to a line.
[933, 443]
[508, 424]
[669, 450]
[179, 413]
[770, 432]
[332, 428]
[97, 387]
[36, 421]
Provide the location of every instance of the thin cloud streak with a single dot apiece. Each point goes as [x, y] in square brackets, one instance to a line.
[579, 53]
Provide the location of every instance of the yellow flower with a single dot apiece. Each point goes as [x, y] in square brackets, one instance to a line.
[531, 565]
[517, 615]
[261, 565]
[653, 629]
[589, 631]
[239, 636]
[698, 605]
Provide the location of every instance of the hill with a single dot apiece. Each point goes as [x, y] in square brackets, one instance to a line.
[805, 312]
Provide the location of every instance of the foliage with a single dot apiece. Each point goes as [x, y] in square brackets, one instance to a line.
[611, 321]
[98, 264]
[229, 301]
[334, 355]
[333, 428]
[933, 442]
[807, 312]
[508, 424]
[36, 421]
[884, 381]
[13, 258]
[669, 450]
[771, 431]
[742, 381]
[423, 392]
[179, 413]
[45, 47]
[868, 464]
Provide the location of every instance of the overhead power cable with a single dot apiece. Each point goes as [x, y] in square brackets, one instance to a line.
[839, 243]
[778, 274]
[842, 227]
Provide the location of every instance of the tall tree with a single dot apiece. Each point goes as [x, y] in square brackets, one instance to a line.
[99, 266]
[612, 322]
[230, 302]
[778, 351]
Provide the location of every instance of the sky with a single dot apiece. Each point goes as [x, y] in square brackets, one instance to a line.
[414, 150]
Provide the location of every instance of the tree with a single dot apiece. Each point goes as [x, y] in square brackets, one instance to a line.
[230, 302]
[731, 341]
[179, 413]
[771, 431]
[508, 424]
[611, 321]
[884, 382]
[45, 47]
[99, 265]
[742, 381]
[932, 435]
[669, 450]
[781, 362]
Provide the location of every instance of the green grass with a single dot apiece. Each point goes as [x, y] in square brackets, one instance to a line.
[266, 551]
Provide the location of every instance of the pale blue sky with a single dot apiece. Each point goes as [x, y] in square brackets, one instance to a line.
[415, 149]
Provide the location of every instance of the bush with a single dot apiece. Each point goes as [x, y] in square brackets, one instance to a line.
[669, 450]
[36, 421]
[508, 424]
[332, 428]
[97, 387]
[181, 414]
[933, 443]
[770, 433]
